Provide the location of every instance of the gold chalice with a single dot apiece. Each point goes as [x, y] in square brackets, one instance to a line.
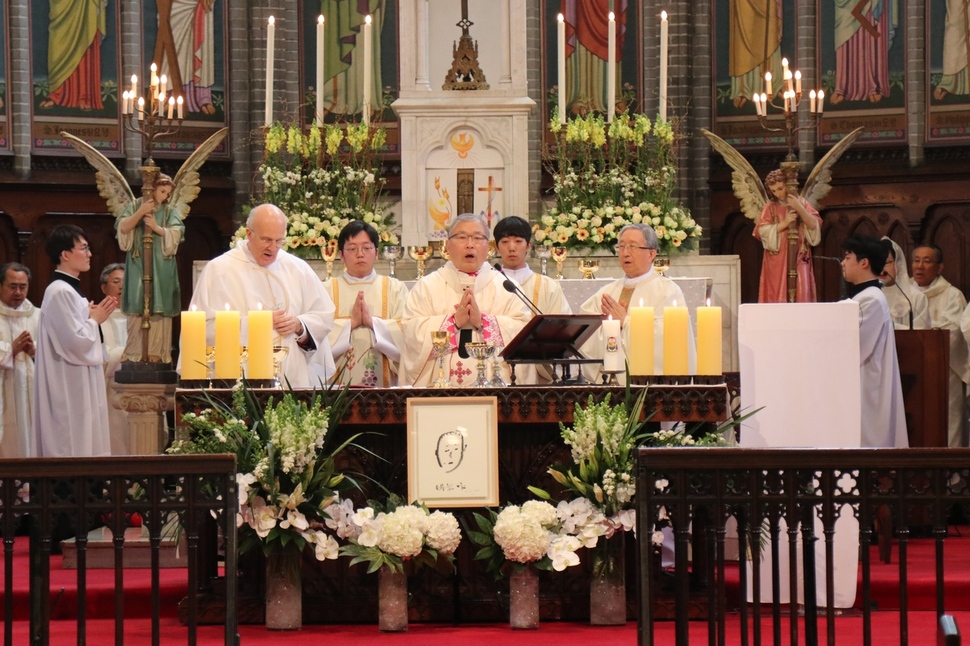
[589, 266]
[329, 253]
[559, 254]
[481, 351]
[543, 253]
[392, 253]
[439, 341]
[420, 255]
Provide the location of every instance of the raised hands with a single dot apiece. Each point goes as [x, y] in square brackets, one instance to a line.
[467, 312]
[100, 312]
[360, 315]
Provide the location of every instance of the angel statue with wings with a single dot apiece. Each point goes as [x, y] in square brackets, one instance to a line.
[787, 224]
[151, 225]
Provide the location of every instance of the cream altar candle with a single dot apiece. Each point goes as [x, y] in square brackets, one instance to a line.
[640, 351]
[367, 69]
[663, 65]
[319, 84]
[611, 69]
[675, 340]
[561, 66]
[192, 345]
[709, 340]
[179, 103]
[259, 344]
[270, 47]
[612, 357]
[227, 345]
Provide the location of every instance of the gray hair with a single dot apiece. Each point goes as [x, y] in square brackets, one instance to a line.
[16, 266]
[649, 235]
[115, 266]
[470, 217]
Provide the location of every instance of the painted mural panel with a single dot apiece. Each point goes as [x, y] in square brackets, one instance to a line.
[186, 39]
[4, 75]
[75, 70]
[343, 77]
[862, 52]
[751, 38]
[948, 52]
[587, 52]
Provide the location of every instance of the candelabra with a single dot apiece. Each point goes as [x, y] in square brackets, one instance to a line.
[147, 117]
[791, 99]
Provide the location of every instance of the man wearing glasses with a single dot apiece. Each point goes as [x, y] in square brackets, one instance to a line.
[258, 274]
[464, 299]
[641, 286]
[366, 335]
[70, 403]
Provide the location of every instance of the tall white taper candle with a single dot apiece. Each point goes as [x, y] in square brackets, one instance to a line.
[662, 111]
[611, 70]
[561, 67]
[367, 70]
[319, 83]
[270, 53]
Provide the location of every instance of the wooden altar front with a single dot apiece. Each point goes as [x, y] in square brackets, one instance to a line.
[529, 442]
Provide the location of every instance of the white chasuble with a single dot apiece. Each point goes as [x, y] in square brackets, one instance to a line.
[16, 381]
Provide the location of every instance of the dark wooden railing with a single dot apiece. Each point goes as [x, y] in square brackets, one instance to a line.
[83, 493]
[699, 489]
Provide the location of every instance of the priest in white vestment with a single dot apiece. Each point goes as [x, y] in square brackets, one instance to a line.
[908, 306]
[115, 333]
[256, 274]
[883, 417]
[18, 333]
[367, 337]
[513, 242]
[466, 300]
[641, 286]
[70, 406]
[946, 307]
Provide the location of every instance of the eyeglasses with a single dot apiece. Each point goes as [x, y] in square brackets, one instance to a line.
[366, 249]
[461, 238]
[83, 248]
[631, 247]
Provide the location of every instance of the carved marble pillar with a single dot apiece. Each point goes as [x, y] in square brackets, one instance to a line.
[146, 405]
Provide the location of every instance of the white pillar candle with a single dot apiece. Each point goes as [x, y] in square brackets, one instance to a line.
[811, 101]
[663, 66]
[820, 101]
[171, 106]
[319, 84]
[561, 67]
[768, 84]
[270, 47]
[612, 357]
[367, 70]
[798, 82]
[611, 70]
[180, 102]
[141, 108]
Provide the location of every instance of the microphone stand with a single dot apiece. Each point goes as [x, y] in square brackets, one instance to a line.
[511, 287]
[909, 302]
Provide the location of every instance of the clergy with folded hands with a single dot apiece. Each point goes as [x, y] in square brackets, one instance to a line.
[366, 338]
[465, 299]
[641, 286]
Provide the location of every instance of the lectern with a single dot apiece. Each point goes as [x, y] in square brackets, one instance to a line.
[553, 339]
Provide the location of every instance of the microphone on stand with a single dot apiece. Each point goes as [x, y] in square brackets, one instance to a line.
[511, 287]
[841, 277]
[903, 292]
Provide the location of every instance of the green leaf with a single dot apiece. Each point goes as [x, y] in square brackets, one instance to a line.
[541, 493]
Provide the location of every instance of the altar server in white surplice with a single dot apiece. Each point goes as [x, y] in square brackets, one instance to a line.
[70, 407]
[18, 333]
[513, 241]
[642, 286]
[907, 304]
[115, 333]
[946, 307]
[465, 299]
[883, 418]
[258, 273]
[367, 329]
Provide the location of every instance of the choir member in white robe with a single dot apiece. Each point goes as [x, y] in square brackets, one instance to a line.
[115, 334]
[513, 242]
[465, 298]
[908, 306]
[70, 407]
[641, 286]
[367, 329]
[883, 418]
[258, 273]
[18, 333]
[946, 307]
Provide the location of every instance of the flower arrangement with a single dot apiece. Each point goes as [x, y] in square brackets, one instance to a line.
[395, 535]
[535, 533]
[606, 176]
[285, 462]
[322, 180]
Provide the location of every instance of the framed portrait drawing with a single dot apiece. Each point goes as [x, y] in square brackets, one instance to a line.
[453, 451]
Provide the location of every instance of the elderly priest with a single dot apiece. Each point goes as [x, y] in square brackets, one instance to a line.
[18, 333]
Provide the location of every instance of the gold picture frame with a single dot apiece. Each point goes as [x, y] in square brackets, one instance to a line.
[453, 451]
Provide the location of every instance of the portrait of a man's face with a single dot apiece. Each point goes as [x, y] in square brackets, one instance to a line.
[451, 449]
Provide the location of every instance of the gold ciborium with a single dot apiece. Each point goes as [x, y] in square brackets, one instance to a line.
[439, 341]
[481, 351]
[392, 253]
[420, 255]
[589, 266]
[559, 254]
[329, 253]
